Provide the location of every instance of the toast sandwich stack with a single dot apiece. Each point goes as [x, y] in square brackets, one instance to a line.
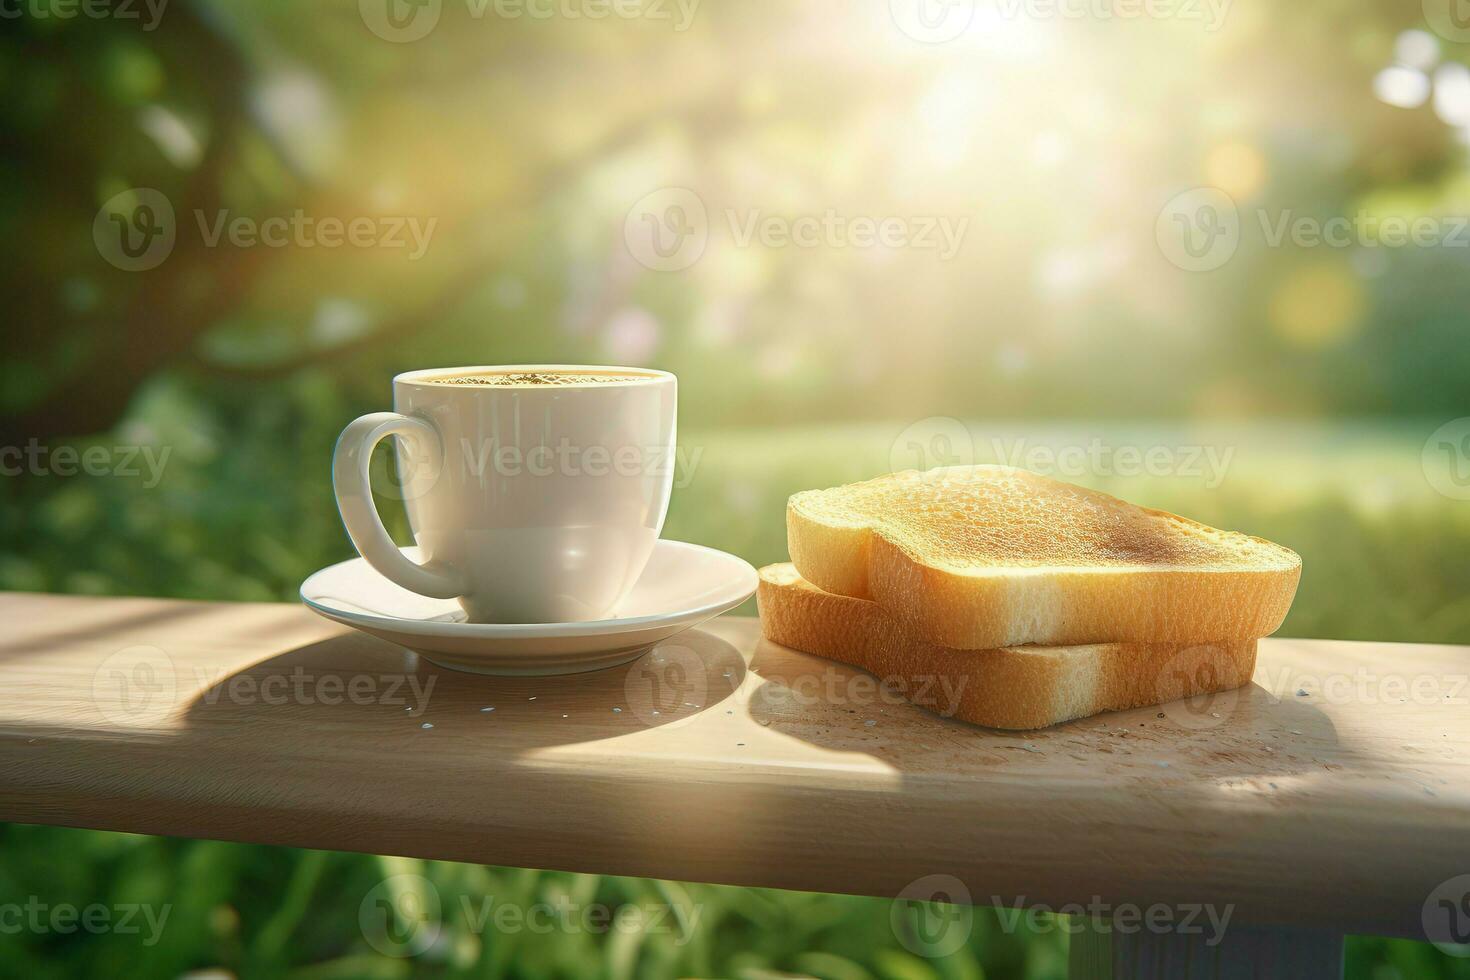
[1035, 601]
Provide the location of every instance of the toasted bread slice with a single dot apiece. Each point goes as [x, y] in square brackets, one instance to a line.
[979, 557]
[1012, 688]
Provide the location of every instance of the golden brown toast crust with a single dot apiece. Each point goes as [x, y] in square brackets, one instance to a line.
[1009, 688]
[985, 557]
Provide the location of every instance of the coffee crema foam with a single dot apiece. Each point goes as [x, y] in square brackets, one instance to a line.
[536, 379]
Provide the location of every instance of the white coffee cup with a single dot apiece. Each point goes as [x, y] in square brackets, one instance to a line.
[530, 503]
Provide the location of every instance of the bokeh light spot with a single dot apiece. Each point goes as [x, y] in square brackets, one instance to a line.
[1452, 94]
[1318, 306]
[1417, 49]
[632, 336]
[1237, 168]
[1404, 87]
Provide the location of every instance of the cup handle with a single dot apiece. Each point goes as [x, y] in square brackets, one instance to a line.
[351, 482]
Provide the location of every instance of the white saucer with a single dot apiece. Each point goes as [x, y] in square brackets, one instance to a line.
[684, 585]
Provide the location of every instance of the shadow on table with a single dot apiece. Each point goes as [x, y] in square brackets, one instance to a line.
[355, 686]
[1217, 738]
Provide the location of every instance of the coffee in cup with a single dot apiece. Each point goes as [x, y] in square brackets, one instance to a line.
[533, 379]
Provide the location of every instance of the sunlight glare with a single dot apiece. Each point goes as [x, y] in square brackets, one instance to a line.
[1452, 94]
[1417, 49]
[1399, 86]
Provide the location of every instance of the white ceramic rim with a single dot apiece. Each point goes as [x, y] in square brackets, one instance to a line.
[598, 627]
[423, 377]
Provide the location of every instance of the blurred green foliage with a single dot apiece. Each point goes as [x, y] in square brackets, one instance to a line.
[266, 912]
[252, 911]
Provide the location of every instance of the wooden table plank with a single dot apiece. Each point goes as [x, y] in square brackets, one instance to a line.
[1340, 809]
